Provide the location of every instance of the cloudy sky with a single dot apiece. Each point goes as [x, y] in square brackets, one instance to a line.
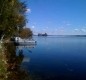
[57, 17]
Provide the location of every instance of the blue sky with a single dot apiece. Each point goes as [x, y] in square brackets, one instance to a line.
[57, 17]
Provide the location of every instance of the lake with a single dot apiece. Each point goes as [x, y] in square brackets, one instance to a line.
[56, 58]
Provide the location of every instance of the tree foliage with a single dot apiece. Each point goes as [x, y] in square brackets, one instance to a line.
[26, 33]
[12, 17]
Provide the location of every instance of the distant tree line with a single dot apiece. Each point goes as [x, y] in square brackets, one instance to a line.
[40, 34]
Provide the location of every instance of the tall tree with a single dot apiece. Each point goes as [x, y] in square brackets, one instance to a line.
[26, 33]
[12, 17]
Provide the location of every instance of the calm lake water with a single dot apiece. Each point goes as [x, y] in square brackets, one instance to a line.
[56, 58]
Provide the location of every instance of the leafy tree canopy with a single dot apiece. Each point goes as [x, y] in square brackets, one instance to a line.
[12, 17]
[26, 33]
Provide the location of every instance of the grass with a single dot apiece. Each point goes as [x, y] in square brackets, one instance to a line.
[2, 64]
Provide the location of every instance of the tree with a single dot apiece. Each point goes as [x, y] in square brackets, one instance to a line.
[26, 33]
[12, 17]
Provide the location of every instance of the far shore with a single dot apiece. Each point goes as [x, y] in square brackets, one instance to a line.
[66, 35]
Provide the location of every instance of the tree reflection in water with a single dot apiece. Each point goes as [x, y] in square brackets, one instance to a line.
[12, 64]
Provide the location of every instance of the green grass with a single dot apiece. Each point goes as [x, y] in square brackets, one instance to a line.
[2, 64]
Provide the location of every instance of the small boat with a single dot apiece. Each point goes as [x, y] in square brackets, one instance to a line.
[20, 41]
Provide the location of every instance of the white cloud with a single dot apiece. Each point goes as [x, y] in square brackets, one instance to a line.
[44, 29]
[33, 27]
[47, 27]
[81, 30]
[28, 10]
[68, 24]
[56, 29]
[76, 29]
[84, 30]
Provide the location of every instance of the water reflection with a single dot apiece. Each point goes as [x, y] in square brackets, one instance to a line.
[29, 46]
[10, 64]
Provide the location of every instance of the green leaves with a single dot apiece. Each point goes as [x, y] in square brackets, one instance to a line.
[12, 16]
[26, 33]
